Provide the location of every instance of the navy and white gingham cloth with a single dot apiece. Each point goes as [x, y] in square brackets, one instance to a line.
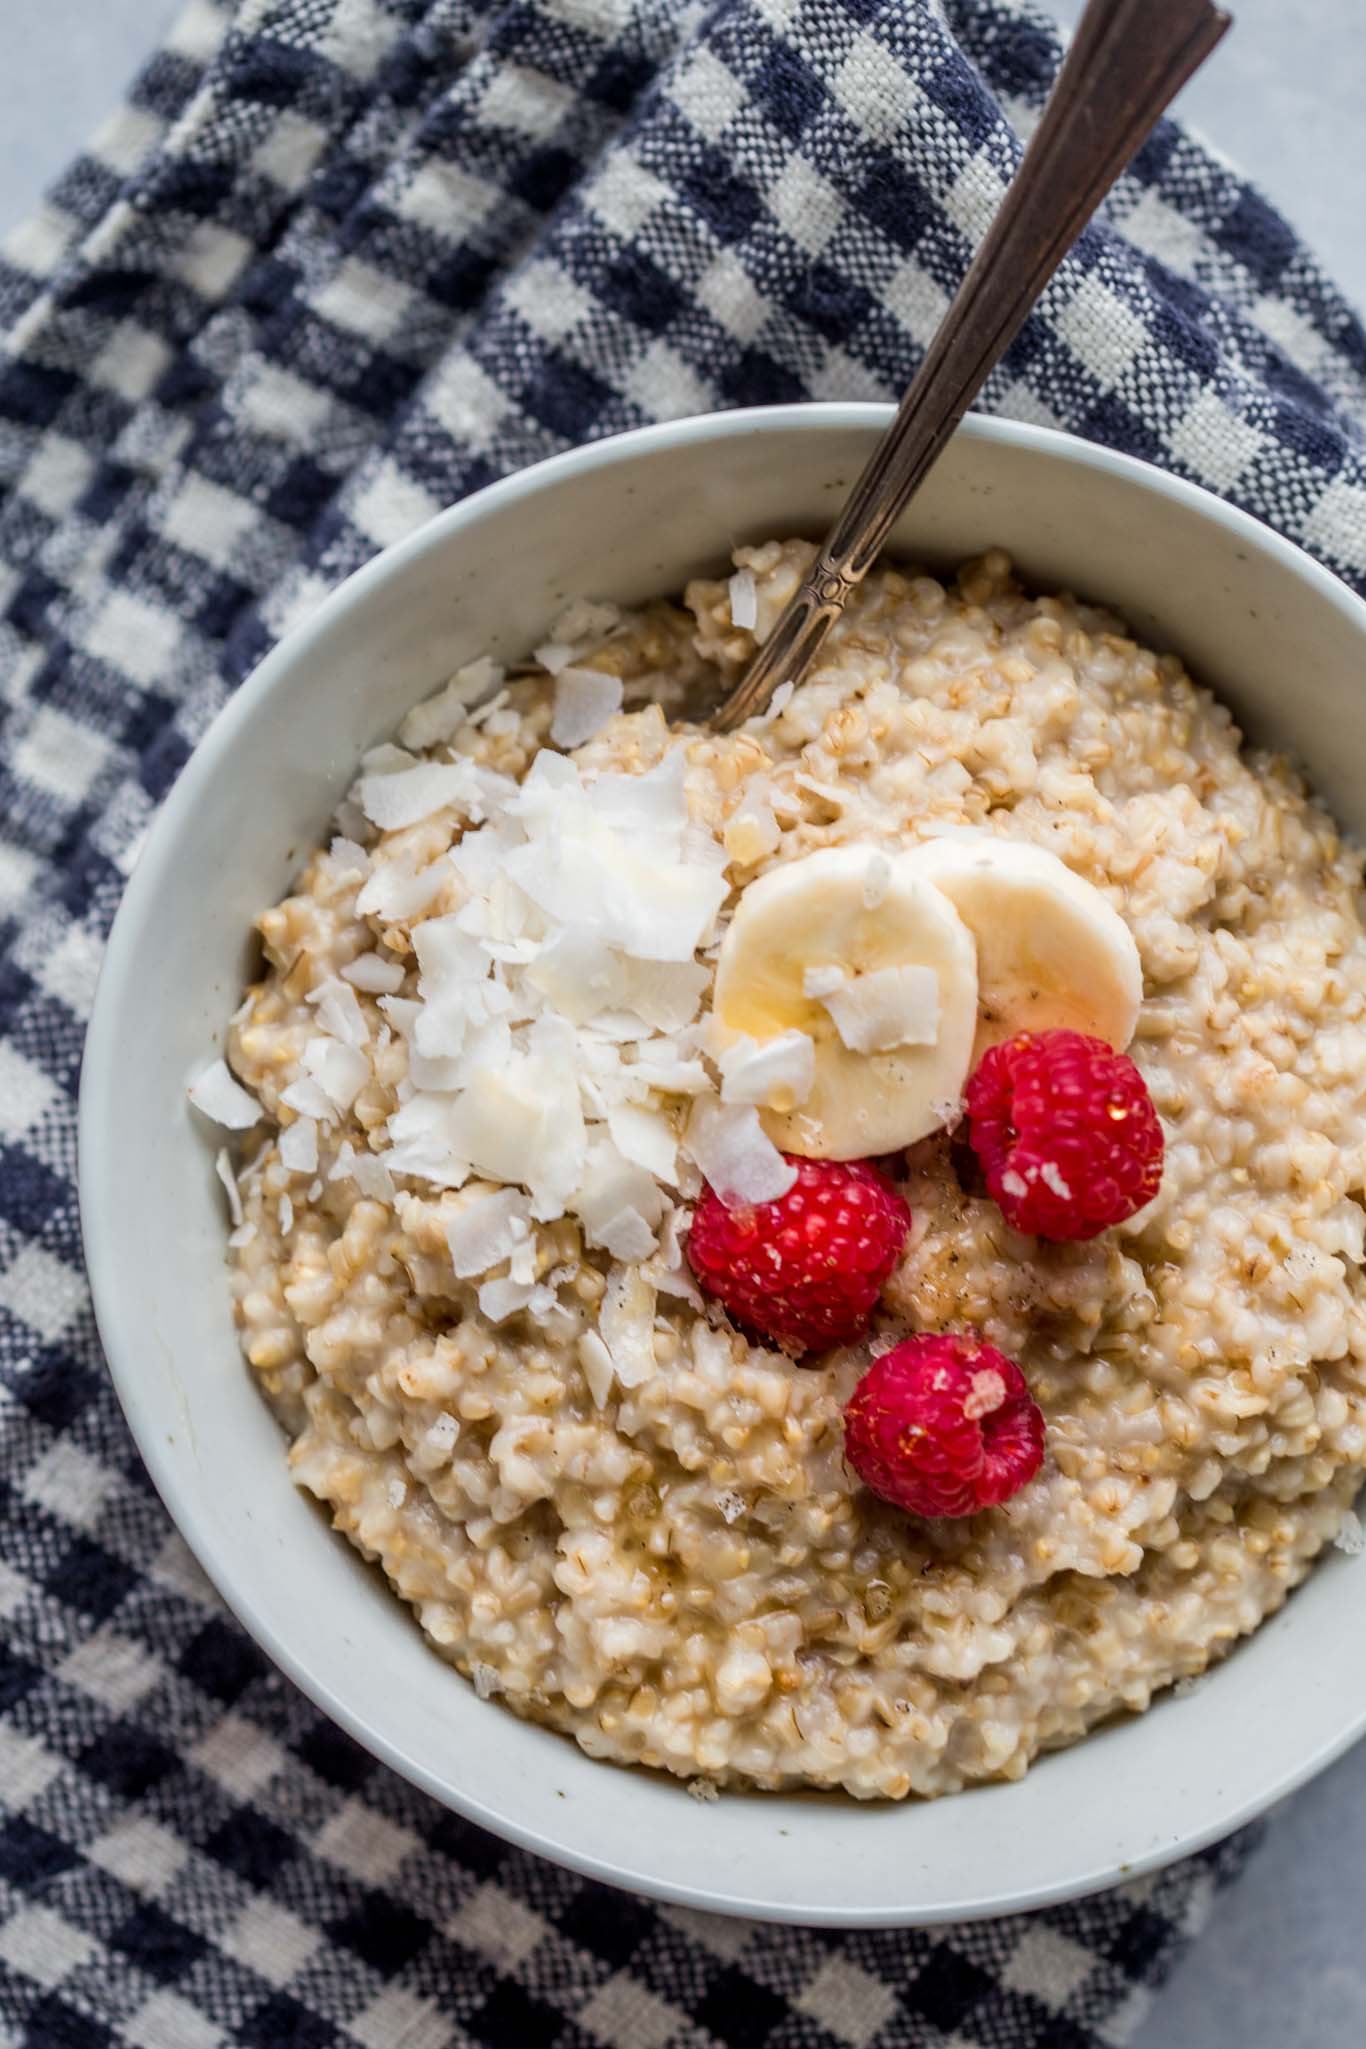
[334, 263]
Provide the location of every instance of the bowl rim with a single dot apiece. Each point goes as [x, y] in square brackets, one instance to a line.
[99, 1075]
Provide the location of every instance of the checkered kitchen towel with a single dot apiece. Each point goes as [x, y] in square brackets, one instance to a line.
[333, 264]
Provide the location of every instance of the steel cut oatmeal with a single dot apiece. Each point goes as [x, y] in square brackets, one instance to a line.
[575, 970]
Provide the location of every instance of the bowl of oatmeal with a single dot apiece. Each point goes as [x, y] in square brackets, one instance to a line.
[765, 1485]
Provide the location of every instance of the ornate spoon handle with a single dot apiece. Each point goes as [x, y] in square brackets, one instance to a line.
[1128, 60]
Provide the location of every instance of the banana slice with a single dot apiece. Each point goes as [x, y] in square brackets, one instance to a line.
[854, 948]
[1050, 950]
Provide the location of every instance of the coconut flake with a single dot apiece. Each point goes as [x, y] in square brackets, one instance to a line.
[744, 600]
[366, 1169]
[286, 1216]
[660, 1066]
[484, 1678]
[554, 655]
[777, 1073]
[375, 974]
[627, 1235]
[398, 889]
[1350, 1538]
[438, 719]
[596, 1363]
[735, 1154]
[386, 759]
[877, 880]
[487, 1230]
[777, 705]
[404, 796]
[585, 699]
[646, 1138]
[664, 994]
[583, 620]
[626, 1322]
[888, 1007]
[1052, 1179]
[222, 1167]
[424, 1071]
[752, 830]
[347, 857]
[339, 1012]
[578, 974]
[478, 856]
[484, 714]
[422, 1143]
[306, 1099]
[609, 1187]
[340, 1071]
[219, 1096]
[503, 1298]
[299, 1146]
[598, 868]
[446, 955]
[519, 1119]
[819, 983]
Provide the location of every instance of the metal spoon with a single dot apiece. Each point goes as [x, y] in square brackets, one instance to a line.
[1128, 60]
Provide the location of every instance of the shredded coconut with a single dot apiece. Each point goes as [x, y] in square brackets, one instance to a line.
[439, 718]
[487, 1230]
[585, 699]
[777, 705]
[646, 1138]
[373, 973]
[299, 1146]
[877, 880]
[887, 1007]
[734, 1153]
[308, 1100]
[339, 1012]
[744, 600]
[220, 1097]
[404, 796]
[340, 1071]
[222, 1166]
[626, 1322]
[596, 1361]
[503, 1298]
[778, 1073]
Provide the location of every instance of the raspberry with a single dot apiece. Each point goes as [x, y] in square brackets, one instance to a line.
[806, 1270]
[1066, 1133]
[943, 1426]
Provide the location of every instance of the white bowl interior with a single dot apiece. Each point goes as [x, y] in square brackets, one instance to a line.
[1283, 642]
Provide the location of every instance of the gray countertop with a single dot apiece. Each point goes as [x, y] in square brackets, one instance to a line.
[1282, 1962]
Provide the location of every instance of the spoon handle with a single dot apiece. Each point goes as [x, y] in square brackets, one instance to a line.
[1128, 60]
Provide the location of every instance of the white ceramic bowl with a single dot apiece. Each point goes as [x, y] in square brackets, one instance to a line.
[1285, 644]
